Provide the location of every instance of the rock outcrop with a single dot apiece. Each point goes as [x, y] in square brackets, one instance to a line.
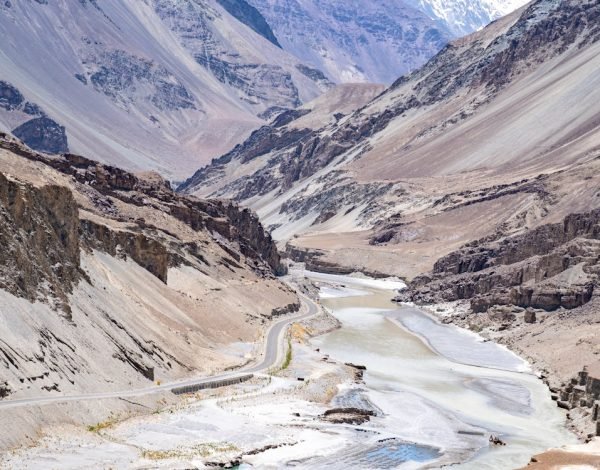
[34, 128]
[44, 135]
[551, 267]
[110, 280]
[581, 396]
[237, 226]
[39, 236]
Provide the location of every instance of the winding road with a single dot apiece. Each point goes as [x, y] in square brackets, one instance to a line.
[270, 358]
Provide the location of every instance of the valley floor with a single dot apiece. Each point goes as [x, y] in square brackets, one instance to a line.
[309, 411]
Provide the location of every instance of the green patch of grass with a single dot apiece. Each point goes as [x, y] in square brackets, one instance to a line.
[288, 356]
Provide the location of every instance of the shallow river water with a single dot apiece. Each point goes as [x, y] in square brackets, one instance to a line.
[439, 386]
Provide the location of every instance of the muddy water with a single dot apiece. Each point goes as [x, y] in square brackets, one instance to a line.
[440, 386]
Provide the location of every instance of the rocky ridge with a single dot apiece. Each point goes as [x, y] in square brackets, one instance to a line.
[551, 267]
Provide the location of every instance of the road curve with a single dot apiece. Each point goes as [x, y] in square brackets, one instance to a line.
[270, 358]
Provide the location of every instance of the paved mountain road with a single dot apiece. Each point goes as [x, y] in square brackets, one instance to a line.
[272, 350]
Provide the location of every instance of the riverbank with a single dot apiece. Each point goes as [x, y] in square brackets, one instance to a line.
[264, 422]
[412, 406]
[547, 343]
[480, 383]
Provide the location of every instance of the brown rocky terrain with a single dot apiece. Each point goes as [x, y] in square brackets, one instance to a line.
[110, 280]
[484, 120]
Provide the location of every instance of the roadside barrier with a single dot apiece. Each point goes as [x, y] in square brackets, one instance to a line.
[212, 384]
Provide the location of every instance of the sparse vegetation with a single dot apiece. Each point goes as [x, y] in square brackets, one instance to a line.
[288, 356]
[103, 424]
[200, 450]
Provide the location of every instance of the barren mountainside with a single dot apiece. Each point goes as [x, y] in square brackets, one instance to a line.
[375, 41]
[111, 280]
[162, 85]
[478, 123]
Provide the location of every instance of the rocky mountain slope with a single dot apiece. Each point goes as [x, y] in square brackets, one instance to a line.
[374, 41]
[488, 122]
[162, 85]
[110, 280]
[354, 41]
[476, 178]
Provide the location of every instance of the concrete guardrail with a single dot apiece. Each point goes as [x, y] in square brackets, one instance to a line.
[212, 384]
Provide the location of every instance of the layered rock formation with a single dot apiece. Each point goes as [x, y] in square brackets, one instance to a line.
[39, 235]
[553, 266]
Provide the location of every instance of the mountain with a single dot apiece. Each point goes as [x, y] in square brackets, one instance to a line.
[162, 85]
[463, 17]
[167, 85]
[475, 178]
[251, 17]
[484, 140]
[110, 280]
[374, 41]
[354, 41]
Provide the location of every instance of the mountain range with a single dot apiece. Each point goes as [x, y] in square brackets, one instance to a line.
[161, 85]
[375, 41]
[488, 122]
[167, 85]
[471, 172]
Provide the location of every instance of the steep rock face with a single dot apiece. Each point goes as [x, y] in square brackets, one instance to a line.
[149, 253]
[553, 266]
[258, 243]
[537, 242]
[237, 225]
[40, 240]
[251, 17]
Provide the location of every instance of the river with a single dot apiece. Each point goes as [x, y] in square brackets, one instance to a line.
[437, 393]
[438, 387]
